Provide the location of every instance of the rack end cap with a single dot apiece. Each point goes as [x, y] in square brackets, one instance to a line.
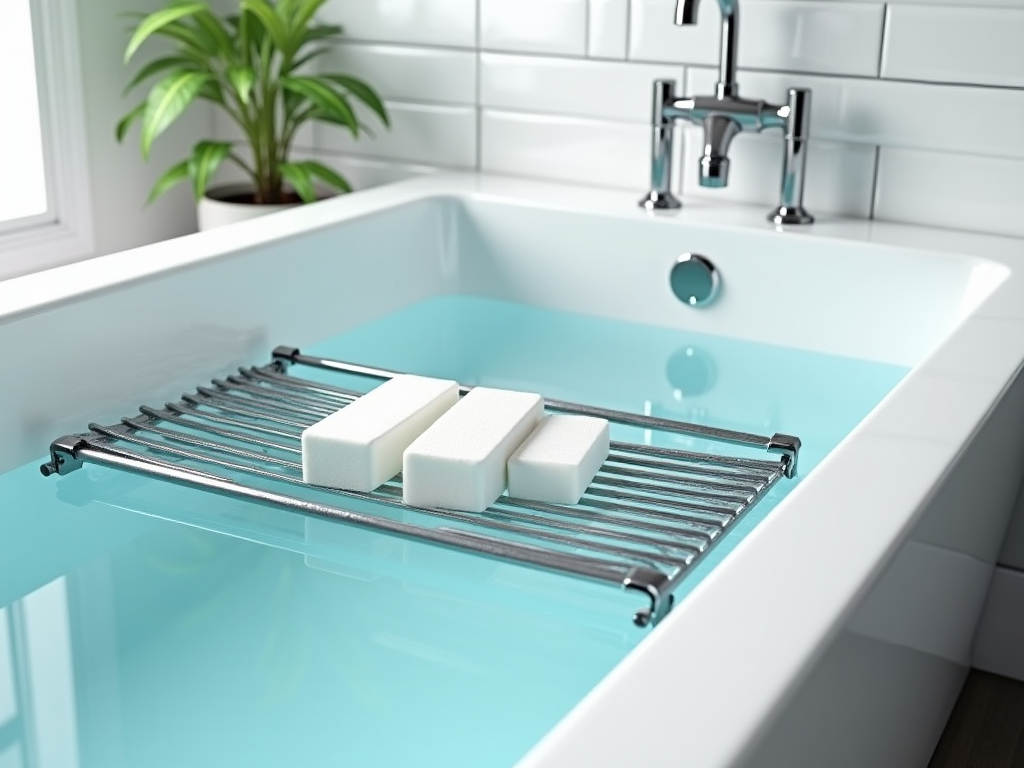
[656, 585]
[285, 356]
[62, 456]
[789, 447]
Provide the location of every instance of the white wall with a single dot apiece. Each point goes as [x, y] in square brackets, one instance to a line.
[916, 116]
[120, 181]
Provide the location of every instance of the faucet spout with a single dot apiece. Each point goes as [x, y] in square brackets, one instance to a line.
[722, 116]
[719, 131]
[686, 14]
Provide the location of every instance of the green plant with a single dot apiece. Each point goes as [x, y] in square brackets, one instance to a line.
[251, 65]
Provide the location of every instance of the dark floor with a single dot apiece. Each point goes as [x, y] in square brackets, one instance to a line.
[986, 729]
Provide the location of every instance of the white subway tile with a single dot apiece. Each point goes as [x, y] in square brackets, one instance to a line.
[363, 173]
[613, 90]
[839, 181]
[566, 149]
[426, 22]
[955, 45]
[989, 3]
[420, 133]
[983, 194]
[304, 136]
[606, 36]
[534, 26]
[226, 129]
[940, 117]
[799, 36]
[410, 73]
[654, 37]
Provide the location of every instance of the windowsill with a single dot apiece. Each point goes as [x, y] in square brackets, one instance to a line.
[43, 247]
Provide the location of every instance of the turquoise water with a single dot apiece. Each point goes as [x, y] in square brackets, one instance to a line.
[254, 637]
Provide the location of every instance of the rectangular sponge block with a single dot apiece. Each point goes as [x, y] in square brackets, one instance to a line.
[559, 459]
[360, 446]
[460, 462]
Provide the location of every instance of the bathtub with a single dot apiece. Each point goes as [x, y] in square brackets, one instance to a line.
[838, 631]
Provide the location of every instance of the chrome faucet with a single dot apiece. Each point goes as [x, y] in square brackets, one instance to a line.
[723, 116]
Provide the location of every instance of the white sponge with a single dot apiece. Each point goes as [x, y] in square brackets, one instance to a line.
[360, 446]
[559, 459]
[460, 462]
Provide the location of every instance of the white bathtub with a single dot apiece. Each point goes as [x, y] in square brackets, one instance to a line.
[838, 632]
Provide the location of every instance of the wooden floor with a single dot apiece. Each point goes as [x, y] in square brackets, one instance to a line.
[986, 729]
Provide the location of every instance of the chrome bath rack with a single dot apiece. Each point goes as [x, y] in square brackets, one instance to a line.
[648, 516]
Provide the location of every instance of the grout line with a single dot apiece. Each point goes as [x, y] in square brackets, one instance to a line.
[711, 67]
[881, 46]
[441, 105]
[389, 162]
[572, 116]
[586, 27]
[874, 182]
[477, 26]
[479, 109]
[629, 27]
[394, 162]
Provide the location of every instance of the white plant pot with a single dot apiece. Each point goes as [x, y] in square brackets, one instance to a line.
[220, 206]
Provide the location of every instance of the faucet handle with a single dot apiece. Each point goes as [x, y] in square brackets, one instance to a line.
[797, 113]
[660, 197]
[798, 117]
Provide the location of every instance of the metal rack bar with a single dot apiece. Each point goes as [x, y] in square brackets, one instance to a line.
[778, 443]
[649, 514]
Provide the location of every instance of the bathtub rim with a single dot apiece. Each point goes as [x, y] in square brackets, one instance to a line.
[631, 713]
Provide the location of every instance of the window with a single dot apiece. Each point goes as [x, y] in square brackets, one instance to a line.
[23, 193]
[44, 206]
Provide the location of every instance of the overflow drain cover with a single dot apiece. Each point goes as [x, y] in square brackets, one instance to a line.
[695, 280]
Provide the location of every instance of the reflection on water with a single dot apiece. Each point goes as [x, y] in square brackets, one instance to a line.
[38, 726]
[322, 645]
[153, 625]
[690, 372]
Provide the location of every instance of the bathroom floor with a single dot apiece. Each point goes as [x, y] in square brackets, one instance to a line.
[986, 728]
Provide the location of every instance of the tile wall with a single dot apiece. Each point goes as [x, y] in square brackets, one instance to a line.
[918, 107]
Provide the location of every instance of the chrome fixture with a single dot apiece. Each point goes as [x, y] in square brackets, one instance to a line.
[723, 115]
[694, 280]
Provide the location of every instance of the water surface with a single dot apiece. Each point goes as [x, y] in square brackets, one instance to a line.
[149, 625]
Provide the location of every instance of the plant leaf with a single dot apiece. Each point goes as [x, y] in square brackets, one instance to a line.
[292, 101]
[206, 159]
[327, 175]
[363, 92]
[321, 32]
[126, 121]
[250, 36]
[156, 21]
[211, 91]
[286, 9]
[303, 15]
[272, 23]
[173, 176]
[167, 100]
[299, 177]
[241, 79]
[332, 105]
[191, 43]
[218, 36]
[295, 65]
[156, 66]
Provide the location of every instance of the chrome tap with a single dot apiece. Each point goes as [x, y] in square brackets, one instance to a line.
[723, 116]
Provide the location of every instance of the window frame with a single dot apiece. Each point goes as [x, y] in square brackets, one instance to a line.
[64, 233]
